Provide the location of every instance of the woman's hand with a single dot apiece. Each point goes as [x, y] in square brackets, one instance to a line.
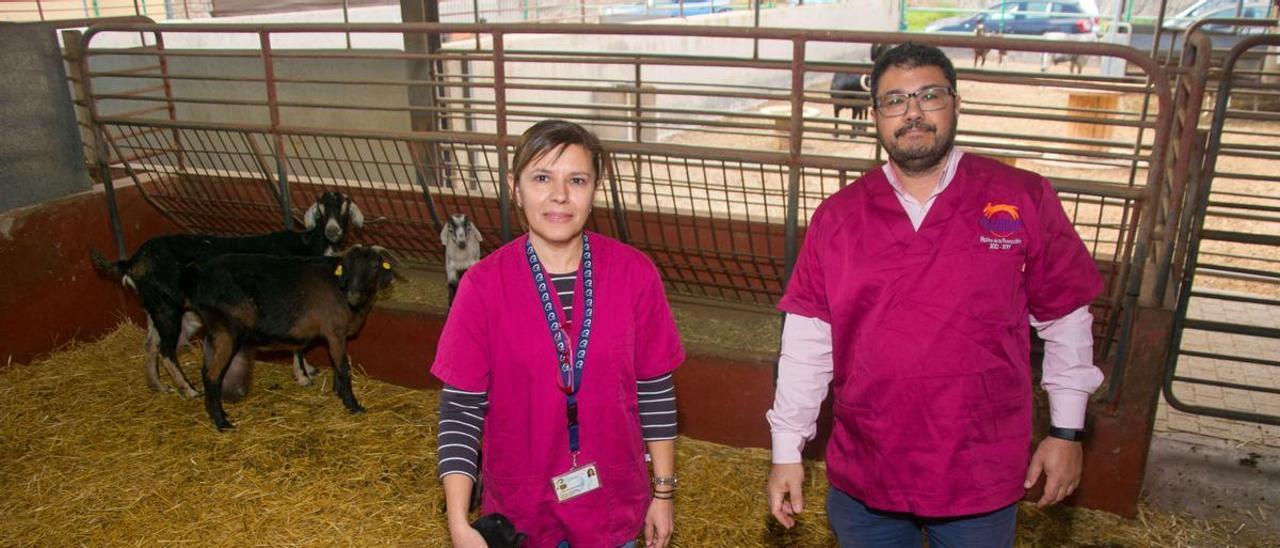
[659, 523]
[464, 536]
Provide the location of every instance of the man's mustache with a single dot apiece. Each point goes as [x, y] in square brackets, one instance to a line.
[915, 125]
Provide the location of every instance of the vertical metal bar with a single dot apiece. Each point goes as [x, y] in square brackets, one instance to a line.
[755, 42]
[475, 16]
[469, 119]
[77, 54]
[793, 161]
[346, 20]
[171, 107]
[500, 121]
[637, 125]
[1188, 99]
[619, 216]
[273, 106]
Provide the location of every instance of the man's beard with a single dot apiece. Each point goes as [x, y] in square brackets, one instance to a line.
[919, 159]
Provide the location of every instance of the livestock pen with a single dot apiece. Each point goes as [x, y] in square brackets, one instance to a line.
[719, 158]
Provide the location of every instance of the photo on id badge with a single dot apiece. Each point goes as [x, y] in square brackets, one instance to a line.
[577, 481]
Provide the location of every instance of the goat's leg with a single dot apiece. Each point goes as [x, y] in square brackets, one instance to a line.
[218, 351]
[342, 374]
[238, 377]
[169, 328]
[303, 371]
[151, 357]
[190, 324]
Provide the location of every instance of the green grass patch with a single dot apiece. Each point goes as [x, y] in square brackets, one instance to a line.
[919, 18]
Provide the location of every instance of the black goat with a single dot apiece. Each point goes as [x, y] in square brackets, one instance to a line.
[155, 272]
[849, 89]
[498, 531]
[265, 301]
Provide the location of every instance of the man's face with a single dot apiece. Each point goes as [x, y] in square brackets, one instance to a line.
[916, 140]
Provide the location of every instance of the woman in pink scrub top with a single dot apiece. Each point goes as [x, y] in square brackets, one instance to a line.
[557, 358]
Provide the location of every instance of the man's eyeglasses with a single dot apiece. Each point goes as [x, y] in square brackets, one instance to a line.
[930, 98]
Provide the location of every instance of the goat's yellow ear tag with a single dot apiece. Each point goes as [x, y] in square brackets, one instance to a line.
[386, 265]
[338, 271]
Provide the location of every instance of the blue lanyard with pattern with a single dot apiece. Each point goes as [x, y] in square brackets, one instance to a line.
[571, 361]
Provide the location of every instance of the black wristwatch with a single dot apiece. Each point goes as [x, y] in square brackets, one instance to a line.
[1069, 434]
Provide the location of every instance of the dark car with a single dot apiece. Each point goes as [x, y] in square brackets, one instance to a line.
[1027, 17]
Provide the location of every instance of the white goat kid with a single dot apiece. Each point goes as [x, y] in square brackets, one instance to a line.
[461, 241]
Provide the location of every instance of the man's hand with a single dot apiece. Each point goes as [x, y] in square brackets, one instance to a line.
[659, 523]
[785, 489]
[1060, 461]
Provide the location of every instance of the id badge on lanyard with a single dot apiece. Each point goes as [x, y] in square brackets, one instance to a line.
[571, 361]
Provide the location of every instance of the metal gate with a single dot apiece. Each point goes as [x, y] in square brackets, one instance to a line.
[1225, 355]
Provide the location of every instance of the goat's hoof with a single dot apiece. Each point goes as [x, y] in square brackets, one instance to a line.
[224, 425]
[189, 393]
[356, 409]
[304, 381]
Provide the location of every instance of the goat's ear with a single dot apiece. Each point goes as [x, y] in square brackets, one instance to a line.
[312, 216]
[444, 234]
[390, 262]
[386, 255]
[357, 216]
[474, 233]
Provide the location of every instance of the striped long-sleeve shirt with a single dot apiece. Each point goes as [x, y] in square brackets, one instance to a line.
[462, 412]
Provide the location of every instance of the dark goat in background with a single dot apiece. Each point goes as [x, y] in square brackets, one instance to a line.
[155, 270]
[498, 531]
[263, 301]
[848, 89]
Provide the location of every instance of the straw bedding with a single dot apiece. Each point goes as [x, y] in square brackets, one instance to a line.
[89, 456]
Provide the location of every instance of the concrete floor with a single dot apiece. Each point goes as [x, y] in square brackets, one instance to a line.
[1212, 478]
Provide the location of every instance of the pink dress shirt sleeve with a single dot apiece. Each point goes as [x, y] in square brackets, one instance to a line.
[1068, 374]
[805, 369]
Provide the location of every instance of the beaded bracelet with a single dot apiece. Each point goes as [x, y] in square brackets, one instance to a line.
[665, 481]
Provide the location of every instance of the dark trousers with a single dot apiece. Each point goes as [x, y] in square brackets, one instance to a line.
[857, 526]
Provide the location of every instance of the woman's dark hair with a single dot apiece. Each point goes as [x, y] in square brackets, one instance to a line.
[552, 137]
[908, 56]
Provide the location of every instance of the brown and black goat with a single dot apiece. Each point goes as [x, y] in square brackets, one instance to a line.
[266, 302]
[155, 270]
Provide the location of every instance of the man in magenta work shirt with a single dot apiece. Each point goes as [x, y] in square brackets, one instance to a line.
[912, 298]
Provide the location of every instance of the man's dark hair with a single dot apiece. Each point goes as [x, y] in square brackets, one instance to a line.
[908, 56]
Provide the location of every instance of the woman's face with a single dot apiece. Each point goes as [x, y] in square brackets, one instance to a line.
[555, 192]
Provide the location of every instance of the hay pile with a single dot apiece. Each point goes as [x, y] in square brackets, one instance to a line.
[88, 455]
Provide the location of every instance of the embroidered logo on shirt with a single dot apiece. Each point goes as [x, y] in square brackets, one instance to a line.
[1001, 221]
